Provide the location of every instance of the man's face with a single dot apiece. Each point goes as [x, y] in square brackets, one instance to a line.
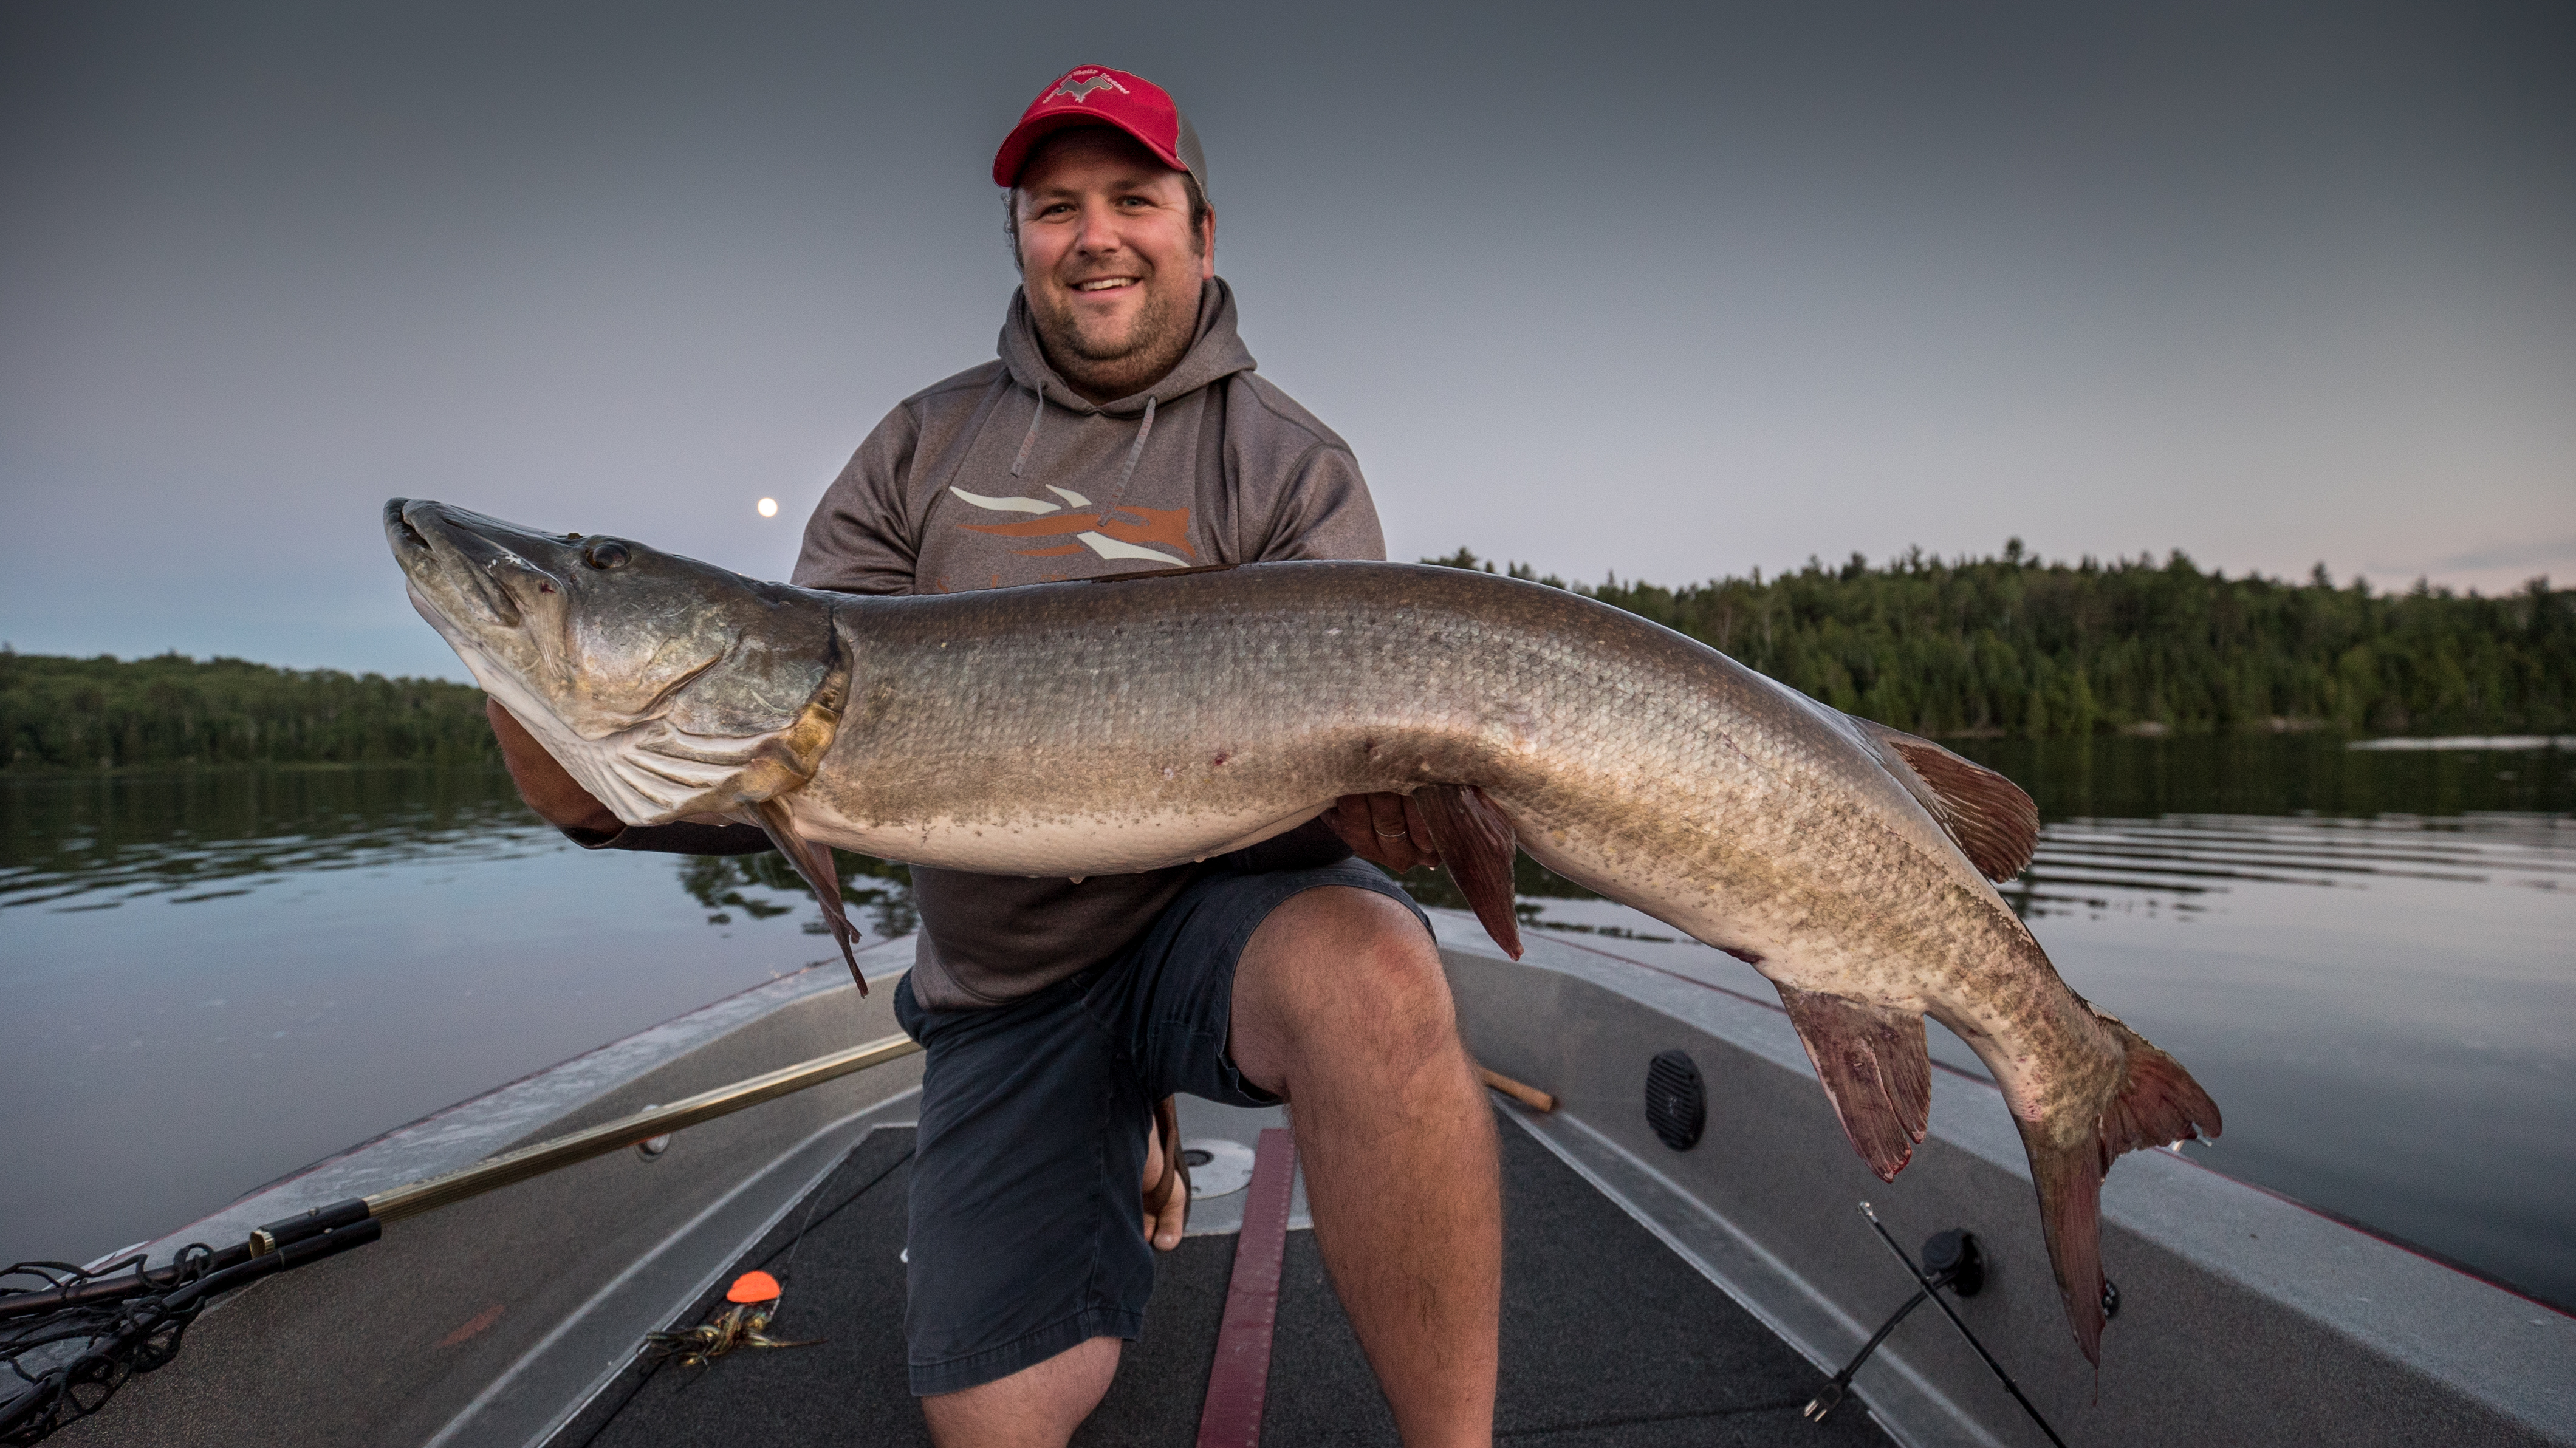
[1109, 260]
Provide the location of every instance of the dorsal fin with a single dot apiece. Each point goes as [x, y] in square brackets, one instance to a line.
[1988, 816]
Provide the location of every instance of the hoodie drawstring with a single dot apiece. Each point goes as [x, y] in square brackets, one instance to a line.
[1031, 440]
[1143, 431]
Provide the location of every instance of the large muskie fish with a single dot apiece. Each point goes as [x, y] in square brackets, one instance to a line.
[1092, 728]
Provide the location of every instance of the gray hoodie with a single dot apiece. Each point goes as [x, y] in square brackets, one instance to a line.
[1001, 475]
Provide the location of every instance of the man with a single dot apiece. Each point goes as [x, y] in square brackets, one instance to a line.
[1123, 429]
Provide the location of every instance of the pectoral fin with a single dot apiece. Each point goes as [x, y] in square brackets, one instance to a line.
[814, 862]
[1476, 844]
[1875, 1068]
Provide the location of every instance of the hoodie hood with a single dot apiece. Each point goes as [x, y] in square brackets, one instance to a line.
[1215, 353]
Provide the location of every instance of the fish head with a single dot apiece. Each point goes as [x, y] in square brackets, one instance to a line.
[666, 686]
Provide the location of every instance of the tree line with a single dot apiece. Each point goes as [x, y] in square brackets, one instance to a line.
[103, 713]
[1998, 646]
[2012, 646]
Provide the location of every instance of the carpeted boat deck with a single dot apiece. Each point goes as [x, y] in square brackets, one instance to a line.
[1609, 1340]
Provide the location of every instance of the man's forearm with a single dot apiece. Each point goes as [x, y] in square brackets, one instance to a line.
[553, 793]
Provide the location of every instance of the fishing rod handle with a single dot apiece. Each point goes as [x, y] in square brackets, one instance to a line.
[410, 1200]
[145, 1278]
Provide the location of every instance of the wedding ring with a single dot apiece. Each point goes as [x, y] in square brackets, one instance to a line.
[1390, 834]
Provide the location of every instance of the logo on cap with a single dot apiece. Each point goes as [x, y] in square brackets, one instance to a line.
[1077, 87]
[1095, 95]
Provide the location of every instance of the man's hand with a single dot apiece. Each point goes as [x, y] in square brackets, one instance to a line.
[1167, 1188]
[1384, 829]
[549, 790]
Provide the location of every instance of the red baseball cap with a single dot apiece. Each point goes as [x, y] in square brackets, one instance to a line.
[1095, 95]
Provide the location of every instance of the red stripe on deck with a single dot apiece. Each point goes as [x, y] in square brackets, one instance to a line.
[1232, 1416]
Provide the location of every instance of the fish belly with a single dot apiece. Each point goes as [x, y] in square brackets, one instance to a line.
[1068, 842]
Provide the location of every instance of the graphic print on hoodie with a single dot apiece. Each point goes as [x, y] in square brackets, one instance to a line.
[1001, 476]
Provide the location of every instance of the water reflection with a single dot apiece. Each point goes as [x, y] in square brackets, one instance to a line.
[211, 978]
[764, 887]
[2179, 864]
[89, 844]
[2284, 775]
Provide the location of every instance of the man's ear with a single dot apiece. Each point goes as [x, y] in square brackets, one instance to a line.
[1207, 244]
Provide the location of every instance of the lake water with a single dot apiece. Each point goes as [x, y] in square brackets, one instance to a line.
[211, 979]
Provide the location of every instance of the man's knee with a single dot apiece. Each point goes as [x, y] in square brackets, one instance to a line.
[1348, 970]
[1039, 1406]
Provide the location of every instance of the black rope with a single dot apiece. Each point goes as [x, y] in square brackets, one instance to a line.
[104, 1328]
[116, 1338]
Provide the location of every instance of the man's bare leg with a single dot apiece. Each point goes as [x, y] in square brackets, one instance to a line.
[1037, 1407]
[1340, 1006]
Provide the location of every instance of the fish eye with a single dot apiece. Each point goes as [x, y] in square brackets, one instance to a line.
[607, 553]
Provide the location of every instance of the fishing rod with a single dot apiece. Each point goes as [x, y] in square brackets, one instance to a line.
[92, 1331]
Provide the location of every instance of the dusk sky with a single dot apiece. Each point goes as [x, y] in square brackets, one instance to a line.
[1672, 292]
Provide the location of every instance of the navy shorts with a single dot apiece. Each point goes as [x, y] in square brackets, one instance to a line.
[1027, 1228]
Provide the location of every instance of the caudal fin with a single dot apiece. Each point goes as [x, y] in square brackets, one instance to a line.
[2158, 1104]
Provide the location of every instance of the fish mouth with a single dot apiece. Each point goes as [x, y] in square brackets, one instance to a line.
[437, 548]
[405, 538]
[412, 550]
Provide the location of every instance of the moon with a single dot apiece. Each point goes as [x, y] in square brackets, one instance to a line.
[768, 507]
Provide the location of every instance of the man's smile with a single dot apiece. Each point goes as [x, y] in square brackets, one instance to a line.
[1105, 284]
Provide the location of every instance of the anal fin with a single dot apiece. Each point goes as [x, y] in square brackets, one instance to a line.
[1876, 1071]
[1476, 844]
[814, 862]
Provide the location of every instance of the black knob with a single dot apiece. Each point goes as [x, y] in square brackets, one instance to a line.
[1953, 1254]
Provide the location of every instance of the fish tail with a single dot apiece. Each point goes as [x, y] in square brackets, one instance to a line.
[2157, 1104]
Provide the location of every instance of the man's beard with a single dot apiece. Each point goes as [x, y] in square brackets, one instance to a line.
[1153, 346]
